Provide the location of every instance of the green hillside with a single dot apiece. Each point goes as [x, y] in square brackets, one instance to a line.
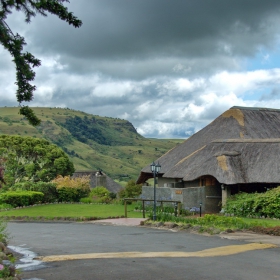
[92, 142]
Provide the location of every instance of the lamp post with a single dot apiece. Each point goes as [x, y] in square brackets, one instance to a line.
[155, 168]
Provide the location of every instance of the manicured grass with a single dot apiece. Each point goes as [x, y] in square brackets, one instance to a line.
[74, 211]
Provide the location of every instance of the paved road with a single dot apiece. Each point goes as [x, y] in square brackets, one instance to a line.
[96, 251]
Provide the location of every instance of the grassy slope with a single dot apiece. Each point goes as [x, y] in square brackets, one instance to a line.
[129, 157]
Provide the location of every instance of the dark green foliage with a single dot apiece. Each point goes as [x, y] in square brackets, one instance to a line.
[13, 43]
[258, 204]
[86, 200]
[213, 221]
[99, 195]
[117, 132]
[71, 194]
[99, 191]
[84, 129]
[21, 198]
[47, 188]
[131, 190]
[112, 195]
[32, 159]
[29, 114]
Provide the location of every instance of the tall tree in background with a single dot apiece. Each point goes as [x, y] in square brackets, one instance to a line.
[32, 159]
[25, 61]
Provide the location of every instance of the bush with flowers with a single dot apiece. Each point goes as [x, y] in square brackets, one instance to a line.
[72, 189]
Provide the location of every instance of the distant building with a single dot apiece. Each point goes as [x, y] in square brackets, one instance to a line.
[99, 179]
[238, 152]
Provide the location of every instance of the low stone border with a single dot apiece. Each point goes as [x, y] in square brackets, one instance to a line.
[185, 227]
[274, 231]
[56, 219]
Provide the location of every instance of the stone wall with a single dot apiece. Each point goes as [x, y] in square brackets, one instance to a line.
[161, 193]
[193, 196]
[209, 196]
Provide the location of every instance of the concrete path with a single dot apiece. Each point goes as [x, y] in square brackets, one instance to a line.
[252, 237]
[120, 222]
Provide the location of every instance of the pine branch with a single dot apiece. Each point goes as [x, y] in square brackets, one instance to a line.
[25, 62]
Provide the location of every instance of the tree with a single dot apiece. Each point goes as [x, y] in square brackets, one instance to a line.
[32, 159]
[25, 61]
[131, 190]
[2, 180]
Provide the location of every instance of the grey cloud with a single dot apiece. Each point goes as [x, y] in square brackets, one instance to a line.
[274, 94]
[129, 29]
[139, 39]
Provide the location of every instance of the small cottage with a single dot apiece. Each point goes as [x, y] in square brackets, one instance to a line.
[99, 179]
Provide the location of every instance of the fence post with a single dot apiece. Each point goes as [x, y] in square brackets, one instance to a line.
[125, 208]
[143, 206]
[176, 209]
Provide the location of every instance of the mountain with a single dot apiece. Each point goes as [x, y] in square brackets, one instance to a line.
[92, 142]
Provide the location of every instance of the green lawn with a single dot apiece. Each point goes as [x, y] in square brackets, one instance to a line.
[263, 222]
[74, 211]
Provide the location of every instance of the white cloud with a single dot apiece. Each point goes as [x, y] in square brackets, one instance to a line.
[242, 82]
[113, 89]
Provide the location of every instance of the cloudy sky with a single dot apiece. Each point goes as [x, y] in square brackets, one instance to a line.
[169, 67]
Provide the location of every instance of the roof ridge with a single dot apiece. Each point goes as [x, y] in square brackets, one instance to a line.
[255, 108]
[256, 140]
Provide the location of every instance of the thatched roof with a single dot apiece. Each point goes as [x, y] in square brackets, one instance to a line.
[250, 156]
[111, 185]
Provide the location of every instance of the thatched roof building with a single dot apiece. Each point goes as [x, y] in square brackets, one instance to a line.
[98, 179]
[240, 149]
[240, 146]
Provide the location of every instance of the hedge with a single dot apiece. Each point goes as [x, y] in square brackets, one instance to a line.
[47, 188]
[21, 198]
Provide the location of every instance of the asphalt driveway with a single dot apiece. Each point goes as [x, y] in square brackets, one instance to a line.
[108, 251]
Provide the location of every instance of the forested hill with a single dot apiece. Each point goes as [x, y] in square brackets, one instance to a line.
[91, 141]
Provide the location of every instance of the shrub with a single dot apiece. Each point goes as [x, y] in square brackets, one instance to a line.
[207, 222]
[257, 204]
[48, 189]
[100, 195]
[5, 206]
[72, 189]
[4, 235]
[99, 192]
[21, 198]
[86, 200]
[131, 190]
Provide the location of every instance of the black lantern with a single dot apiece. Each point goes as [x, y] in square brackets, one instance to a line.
[155, 168]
